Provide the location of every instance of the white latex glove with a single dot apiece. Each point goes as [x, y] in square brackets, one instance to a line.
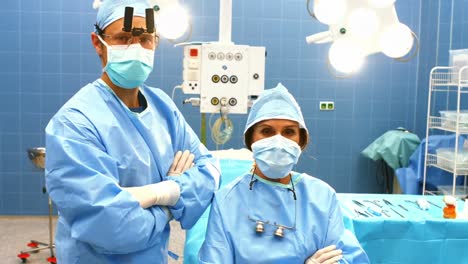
[162, 193]
[326, 255]
[182, 162]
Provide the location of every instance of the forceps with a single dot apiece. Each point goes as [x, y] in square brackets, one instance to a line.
[368, 210]
[390, 204]
[359, 212]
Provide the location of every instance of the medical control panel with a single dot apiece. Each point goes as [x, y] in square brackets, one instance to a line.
[224, 75]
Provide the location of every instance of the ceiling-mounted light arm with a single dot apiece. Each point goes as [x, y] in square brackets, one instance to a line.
[225, 21]
[319, 38]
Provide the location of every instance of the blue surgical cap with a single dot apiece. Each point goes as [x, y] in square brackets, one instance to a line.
[275, 103]
[112, 10]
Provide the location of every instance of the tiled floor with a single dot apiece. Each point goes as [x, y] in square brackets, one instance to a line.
[16, 232]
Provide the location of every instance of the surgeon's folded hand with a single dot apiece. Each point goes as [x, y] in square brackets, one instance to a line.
[182, 162]
[326, 255]
[165, 193]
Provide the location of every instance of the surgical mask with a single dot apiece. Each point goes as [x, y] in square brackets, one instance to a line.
[276, 156]
[128, 66]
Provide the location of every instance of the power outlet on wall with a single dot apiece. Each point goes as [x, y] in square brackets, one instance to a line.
[326, 105]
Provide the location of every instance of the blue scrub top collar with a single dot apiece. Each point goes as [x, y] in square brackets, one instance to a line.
[296, 177]
[107, 87]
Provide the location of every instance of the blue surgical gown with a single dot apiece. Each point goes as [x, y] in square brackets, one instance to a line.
[315, 215]
[95, 144]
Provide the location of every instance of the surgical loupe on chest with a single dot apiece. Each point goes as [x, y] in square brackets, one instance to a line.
[279, 228]
[358, 28]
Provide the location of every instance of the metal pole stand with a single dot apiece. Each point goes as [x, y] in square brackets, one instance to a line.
[37, 156]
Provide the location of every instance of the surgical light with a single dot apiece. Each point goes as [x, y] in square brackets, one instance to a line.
[172, 19]
[381, 3]
[396, 41]
[329, 11]
[359, 28]
[363, 22]
[173, 22]
[346, 56]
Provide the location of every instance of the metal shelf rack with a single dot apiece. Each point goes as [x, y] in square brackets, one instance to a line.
[450, 84]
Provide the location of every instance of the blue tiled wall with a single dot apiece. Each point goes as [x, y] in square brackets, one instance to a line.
[48, 57]
[436, 38]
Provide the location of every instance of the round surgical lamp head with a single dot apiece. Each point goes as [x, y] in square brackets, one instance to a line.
[381, 3]
[396, 41]
[172, 21]
[329, 11]
[345, 56]
[363, 22]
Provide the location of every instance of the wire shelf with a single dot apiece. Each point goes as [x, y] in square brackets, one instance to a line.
[449, 77]
[447, 124]
[447, 164]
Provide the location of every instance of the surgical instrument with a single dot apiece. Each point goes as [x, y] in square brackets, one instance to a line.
[434, 204]
[402, 207]
[397, 212]
[390, 204]
[368, 209]
[358, 203]
[384, 212]
[387, 202]
[373, 212]
[422, 204]
[359, 212]
[376, 202]
[413, 202]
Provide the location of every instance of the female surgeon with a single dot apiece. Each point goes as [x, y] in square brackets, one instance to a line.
[274, 214]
